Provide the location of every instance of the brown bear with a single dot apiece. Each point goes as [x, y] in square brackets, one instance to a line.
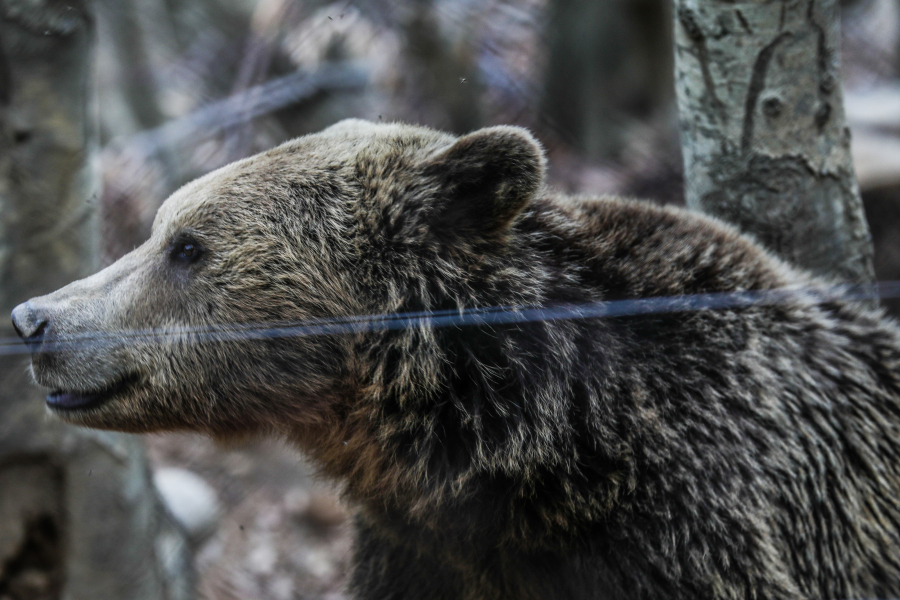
[476, 359]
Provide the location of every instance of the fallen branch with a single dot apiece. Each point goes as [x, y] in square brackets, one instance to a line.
[250, 104]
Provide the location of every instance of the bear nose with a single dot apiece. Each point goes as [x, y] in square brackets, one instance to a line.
[29, 322]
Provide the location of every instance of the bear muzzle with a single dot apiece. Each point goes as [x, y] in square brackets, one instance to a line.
[55, 357]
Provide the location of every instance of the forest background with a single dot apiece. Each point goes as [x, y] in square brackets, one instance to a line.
[175, 89]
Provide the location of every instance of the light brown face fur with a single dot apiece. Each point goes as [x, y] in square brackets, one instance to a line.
[274, 240]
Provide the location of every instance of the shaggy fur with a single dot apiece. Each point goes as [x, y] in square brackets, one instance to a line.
[747, 452]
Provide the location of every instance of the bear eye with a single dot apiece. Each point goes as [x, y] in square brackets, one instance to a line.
[185, 251]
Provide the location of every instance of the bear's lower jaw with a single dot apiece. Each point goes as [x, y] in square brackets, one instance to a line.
[64, 401]
[71, 400]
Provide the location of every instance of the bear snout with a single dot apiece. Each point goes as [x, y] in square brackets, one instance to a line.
[30, 323]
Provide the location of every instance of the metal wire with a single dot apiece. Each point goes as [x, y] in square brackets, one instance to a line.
[482, 316]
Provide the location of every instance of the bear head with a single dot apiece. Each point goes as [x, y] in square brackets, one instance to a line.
[240, 314]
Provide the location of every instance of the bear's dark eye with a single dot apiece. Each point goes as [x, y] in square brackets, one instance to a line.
[188, 251]
[185, 250]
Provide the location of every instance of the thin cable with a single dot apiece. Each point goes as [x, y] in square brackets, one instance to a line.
[484, 316]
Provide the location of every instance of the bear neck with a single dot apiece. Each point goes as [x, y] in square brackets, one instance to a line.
[482, 419]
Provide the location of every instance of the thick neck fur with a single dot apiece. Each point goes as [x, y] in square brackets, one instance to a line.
[485, 418]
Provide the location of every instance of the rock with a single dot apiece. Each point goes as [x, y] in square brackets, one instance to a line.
[325, 510]
[296, 502]
[190, 500]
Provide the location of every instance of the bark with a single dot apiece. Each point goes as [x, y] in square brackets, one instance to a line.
[765, 142]
[79, 517]
[128, 76]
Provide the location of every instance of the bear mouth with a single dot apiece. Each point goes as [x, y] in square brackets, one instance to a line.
[65, 400]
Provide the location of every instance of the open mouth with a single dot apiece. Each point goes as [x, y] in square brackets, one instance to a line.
[63, 400]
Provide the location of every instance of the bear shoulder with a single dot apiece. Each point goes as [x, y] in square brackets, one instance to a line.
[635, 248]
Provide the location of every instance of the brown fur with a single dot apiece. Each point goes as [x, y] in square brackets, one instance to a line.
[741, 452]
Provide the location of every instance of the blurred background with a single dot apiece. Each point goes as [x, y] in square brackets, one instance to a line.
[185, 87]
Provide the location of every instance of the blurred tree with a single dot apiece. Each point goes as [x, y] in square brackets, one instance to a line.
[765, 142]
[79, 516]
[609, 64]
[442, 73]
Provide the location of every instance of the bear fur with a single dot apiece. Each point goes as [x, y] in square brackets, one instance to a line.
[747, 450]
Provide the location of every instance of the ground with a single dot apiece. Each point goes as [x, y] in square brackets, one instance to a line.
[282, 533]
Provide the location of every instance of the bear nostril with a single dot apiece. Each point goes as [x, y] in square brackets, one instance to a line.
[38, 335]
[30, 324]
[16, 327]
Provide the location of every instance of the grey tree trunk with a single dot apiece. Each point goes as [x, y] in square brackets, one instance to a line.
[609, 63]
[443, 75]
[79, 516]
[762, 119]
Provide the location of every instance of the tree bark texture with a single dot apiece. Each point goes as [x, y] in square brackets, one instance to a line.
[765, 142]
[79, 516]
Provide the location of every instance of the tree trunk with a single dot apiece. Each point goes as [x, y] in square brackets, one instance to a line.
[762, 119]
[79, 516]
[610, 63]
[441, 73]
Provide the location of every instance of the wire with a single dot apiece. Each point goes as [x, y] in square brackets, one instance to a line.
[483, 316]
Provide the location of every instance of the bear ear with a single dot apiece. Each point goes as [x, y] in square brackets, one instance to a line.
[484, 180]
